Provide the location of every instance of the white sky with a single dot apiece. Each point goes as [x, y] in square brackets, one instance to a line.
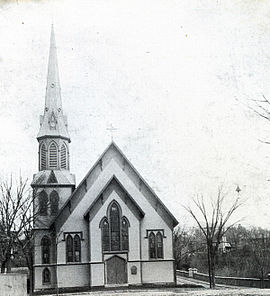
[165, 73]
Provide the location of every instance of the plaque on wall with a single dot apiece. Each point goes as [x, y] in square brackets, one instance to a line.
[133, 270]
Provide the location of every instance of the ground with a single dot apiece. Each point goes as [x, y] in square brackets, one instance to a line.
[180, 291]
[200, 288]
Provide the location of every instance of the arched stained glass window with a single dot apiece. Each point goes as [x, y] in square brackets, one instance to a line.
[64, 157]
[152, 246]
[43, 203]
[43, 157]
[54, 201]
[69, 248]
[45, 249]
[124, 231]
[77, 248]
[46, 276]
[115, 227]
[53, 153]
[105, 235]
[159, 245]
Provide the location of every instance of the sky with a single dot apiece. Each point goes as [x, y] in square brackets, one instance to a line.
[174, 78]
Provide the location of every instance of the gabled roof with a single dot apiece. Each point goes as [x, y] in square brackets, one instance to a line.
[114, 181]
[75, 198]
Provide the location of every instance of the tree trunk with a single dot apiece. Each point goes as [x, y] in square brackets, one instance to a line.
[3, 266]
[262, 279]
[209, 265]
[213, 271]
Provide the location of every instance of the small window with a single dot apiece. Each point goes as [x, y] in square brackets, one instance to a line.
[54, 201]
[46, 276]
[45, 249]
[43, 158]
[152, 246]
[43, 203]
[77, 248]
[69, 248]
[53, 156]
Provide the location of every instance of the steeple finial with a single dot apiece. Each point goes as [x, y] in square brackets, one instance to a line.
[53, 122]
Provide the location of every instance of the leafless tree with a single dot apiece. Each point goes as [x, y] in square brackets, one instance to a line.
[17, 217]
[186, 244]
[261, 107]
[213, 222]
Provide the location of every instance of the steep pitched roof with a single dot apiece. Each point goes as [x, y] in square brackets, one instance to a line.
[77, 196]
[53, 123]
[114, 183]
[53, 178]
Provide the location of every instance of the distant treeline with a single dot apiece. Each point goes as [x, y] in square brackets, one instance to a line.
[244, 252]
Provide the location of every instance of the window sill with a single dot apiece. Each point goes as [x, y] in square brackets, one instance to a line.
[115, 252]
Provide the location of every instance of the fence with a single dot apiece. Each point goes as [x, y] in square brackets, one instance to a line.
[233, 281]
[13, 284]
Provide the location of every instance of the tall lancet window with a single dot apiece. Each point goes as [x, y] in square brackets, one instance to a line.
[45, 249]
[43, 157]
[124, 234]
[159, 245]
[105, 235]
[53, 156]
[77, 248]
[54, 201]
[115, 227]
[43, 203]
[69, 248]
[64, 157]
[152, 246]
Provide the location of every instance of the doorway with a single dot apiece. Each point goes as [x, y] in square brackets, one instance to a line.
[116, 270]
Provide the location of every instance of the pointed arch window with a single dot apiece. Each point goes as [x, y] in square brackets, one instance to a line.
[77, 248]
[115, 227]
[105, 235]
[159, 245]
[152, 246]
[54, 201]
[53, 156]
[45, 249]
[43, 203]
[43, 157]
[114, 230]
[46, 276]
[124, 234]
[69, 248]
[64, 157]
[155, 240]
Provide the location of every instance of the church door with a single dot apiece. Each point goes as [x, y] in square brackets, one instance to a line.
[116, 270]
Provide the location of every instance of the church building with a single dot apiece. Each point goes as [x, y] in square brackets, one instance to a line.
[110, 230]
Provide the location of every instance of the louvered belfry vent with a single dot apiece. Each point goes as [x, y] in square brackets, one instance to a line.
[53, 156]
[43, 158]
[63, 157]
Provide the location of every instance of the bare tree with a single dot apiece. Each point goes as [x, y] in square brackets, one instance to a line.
[213, 222]
[16, 223]
[186, 244]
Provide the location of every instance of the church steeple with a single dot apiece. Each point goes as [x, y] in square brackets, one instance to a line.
[53, 123]
[53, 136]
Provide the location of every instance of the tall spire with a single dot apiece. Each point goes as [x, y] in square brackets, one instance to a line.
[53, 122]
